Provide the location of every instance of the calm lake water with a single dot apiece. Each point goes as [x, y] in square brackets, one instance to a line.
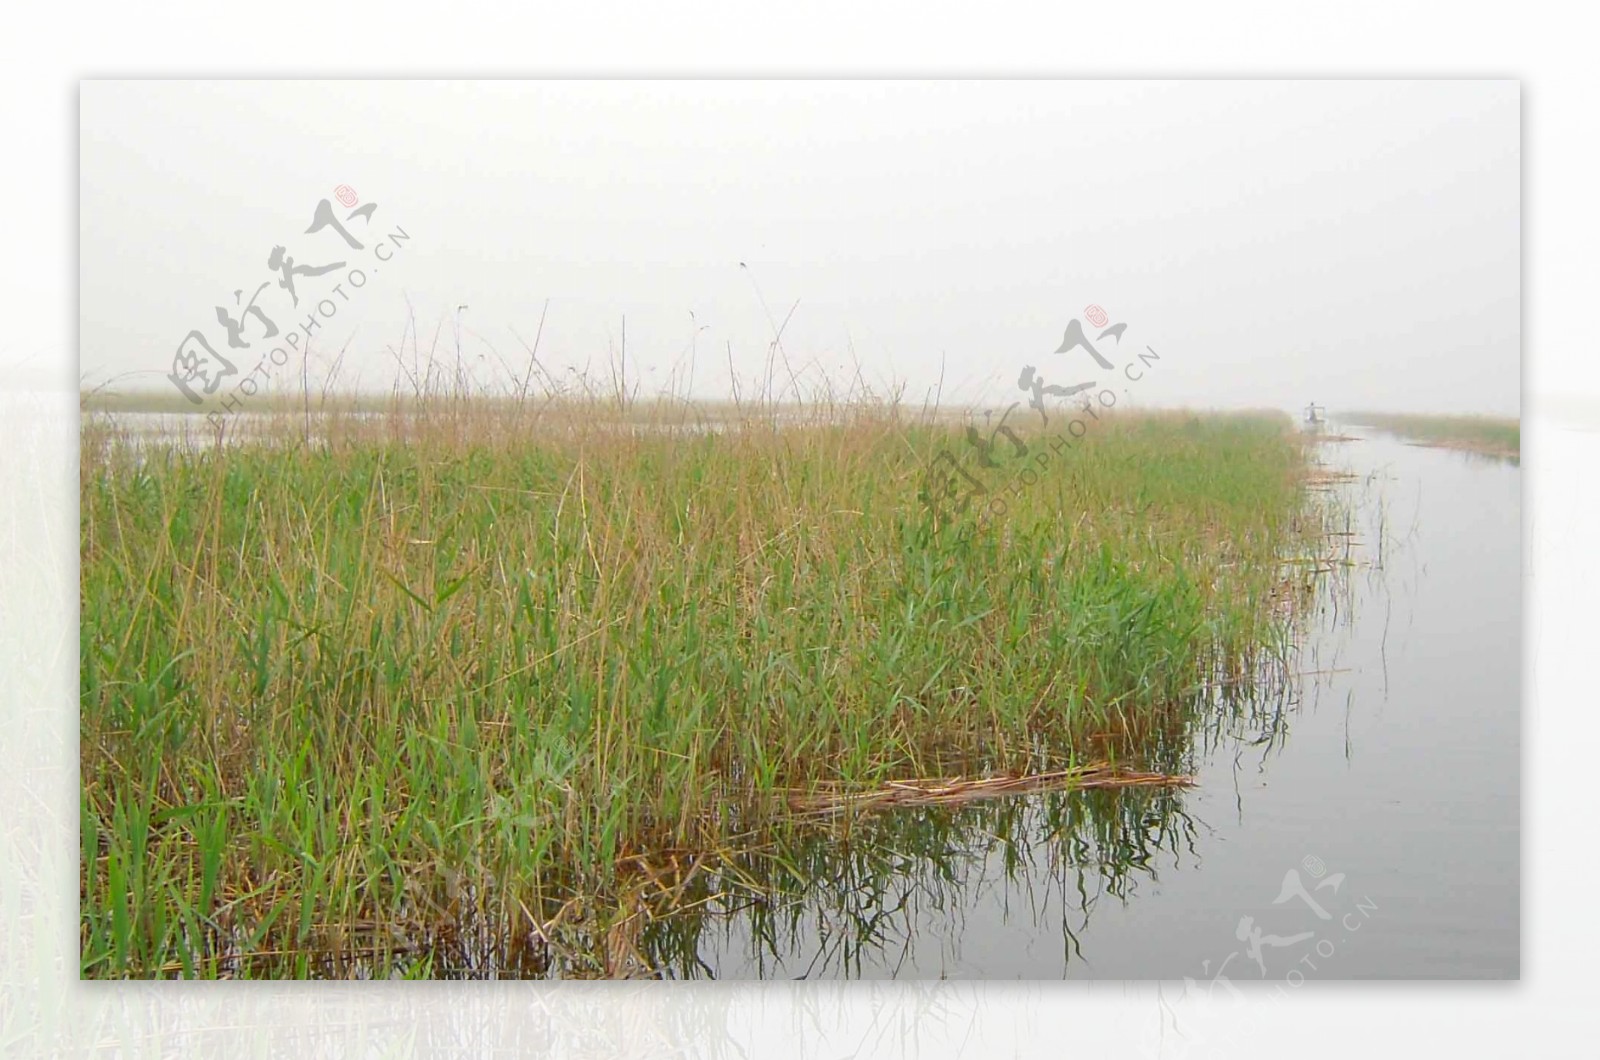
[1361, 823]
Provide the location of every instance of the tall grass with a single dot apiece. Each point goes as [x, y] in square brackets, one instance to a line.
[347, 689]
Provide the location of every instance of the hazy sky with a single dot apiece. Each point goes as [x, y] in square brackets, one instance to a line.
[1356, 243]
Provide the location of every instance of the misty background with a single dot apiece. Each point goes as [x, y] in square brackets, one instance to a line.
[1355, 243]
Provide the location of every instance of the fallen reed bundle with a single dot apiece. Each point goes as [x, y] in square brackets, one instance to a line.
[945, 790]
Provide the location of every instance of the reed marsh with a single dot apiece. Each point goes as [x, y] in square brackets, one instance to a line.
[1486, 435]
[345, 691]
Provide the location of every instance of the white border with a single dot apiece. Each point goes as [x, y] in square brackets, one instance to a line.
[43, 1009]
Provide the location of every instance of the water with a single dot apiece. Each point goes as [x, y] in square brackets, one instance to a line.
[192, 430]
[1365, 818]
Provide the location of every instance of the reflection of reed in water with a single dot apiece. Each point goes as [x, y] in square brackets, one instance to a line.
[825, 907]
[849, 889]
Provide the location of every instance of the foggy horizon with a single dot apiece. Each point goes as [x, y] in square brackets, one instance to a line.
[1352, 243]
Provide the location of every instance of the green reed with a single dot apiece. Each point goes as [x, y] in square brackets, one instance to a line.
[355, 682]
